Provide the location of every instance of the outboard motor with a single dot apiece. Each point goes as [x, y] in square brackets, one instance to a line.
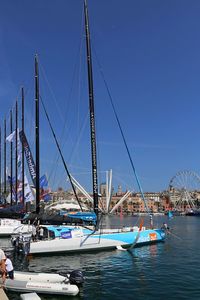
[76, 277]
[21, 243]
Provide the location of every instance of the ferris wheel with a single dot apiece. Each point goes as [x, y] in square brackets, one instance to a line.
[184, 189]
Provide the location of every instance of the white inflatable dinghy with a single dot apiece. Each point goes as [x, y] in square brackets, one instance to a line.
[44, 283]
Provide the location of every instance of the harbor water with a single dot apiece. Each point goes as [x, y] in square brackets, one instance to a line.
[169, 270]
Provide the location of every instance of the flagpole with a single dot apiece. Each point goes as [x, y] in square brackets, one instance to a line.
[0, 167]
[23, 194]
[16, 151]
[5, 159]
[11, 162]
[37, 138]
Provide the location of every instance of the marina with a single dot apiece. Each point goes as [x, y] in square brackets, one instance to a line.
[74, 239]
[68, 228]
[152, 272]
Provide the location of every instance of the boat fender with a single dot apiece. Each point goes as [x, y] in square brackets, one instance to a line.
[120, 248]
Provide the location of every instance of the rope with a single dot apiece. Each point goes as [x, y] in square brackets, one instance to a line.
[64, 163]
[122, 134]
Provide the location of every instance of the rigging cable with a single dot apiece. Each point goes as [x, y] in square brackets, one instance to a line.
[63, 160]
[70, 95]
[122, 134]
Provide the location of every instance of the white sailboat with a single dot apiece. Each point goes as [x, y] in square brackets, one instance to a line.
[76, 239]
[79, 239]
[11, 226]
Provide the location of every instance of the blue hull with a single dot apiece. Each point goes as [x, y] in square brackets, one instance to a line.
[77, 239]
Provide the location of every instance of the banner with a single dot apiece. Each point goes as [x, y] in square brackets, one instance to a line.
[27, 191]
[28, 195]
[44, 192]
[29, 157]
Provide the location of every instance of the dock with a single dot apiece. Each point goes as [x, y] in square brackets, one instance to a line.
[3, 294]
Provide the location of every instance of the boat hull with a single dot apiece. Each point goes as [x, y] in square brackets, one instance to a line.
[42, 283]
[11, 226]
[78, 242]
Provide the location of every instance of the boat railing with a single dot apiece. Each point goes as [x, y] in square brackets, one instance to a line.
[118, 230]
[9, 222]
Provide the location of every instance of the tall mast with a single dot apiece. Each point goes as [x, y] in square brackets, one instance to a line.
[0, 168]
[11, 162]
[16, 151]
[92, 115]
[37, 140]
[5, 159]
[23, 146]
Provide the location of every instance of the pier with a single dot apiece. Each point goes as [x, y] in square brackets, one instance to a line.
[3, 294]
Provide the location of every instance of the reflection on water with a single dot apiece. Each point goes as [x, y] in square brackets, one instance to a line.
[167, 270]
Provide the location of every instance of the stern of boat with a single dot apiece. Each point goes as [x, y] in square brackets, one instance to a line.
[21, 243]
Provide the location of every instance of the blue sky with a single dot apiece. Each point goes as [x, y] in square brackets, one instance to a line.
[149, 52]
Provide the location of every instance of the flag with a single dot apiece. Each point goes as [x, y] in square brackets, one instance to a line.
[11, 181]
[44, 193]
[47, 197]
[10, 137]
[43, 181]
[27, 191]
[28, 195]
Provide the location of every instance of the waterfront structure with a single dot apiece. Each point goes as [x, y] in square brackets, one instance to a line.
[133, 204]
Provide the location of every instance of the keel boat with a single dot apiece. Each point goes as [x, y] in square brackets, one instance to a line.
[79, 239]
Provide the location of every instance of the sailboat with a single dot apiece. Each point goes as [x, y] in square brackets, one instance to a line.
[13, 226]
[12, 213]
[79, 238]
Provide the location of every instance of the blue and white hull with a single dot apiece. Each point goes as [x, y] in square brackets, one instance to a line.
[78, 239]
